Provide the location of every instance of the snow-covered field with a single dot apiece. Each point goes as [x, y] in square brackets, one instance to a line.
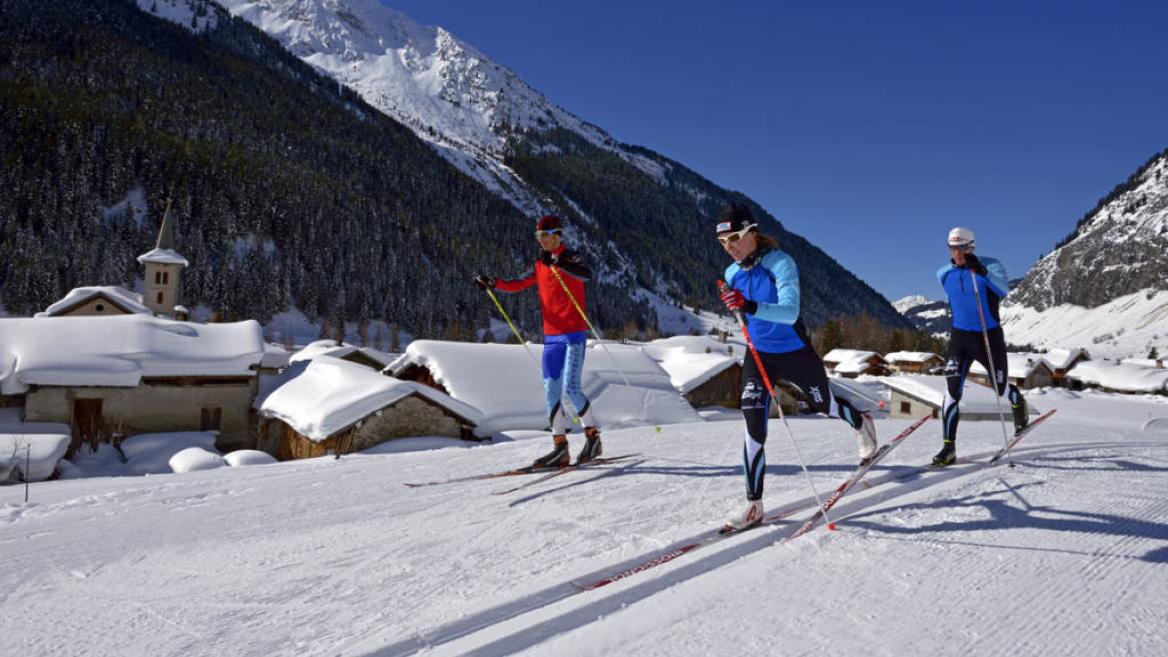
[1067, 554]
[1129, 326]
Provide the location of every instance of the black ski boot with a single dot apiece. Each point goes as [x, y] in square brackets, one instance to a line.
[1021, 413]
[947, 455]
[557, 458]
[592, 448]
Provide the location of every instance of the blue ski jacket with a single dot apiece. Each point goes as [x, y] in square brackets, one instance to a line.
[992, 288]
[770, 279]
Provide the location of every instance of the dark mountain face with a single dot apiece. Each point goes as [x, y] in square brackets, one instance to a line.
[289, 189]
[1118, 248]
[671, 223]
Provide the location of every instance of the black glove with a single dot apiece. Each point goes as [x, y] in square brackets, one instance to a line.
[547, 258]
[974, 265]
[484, 281]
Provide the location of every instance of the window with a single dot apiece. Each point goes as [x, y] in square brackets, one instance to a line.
[160, 298]
[166, 278]
[211, 418]
[100, 307]
[158, 278]
[905, 407]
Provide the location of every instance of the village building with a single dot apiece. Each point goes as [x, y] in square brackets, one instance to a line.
[708, 372]
[624, 384]
[327, 405]
[97, 300]
[1062, 361]
[851, 363]
[122, 375]
[914, 362]
[1023, 370]
[164, 268]
[914, 395]
[1128, 378]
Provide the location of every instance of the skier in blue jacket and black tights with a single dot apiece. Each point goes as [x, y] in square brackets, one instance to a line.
[972, 313]
[764, 285]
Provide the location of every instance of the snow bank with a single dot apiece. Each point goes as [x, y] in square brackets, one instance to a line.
[193, 459]
[247, 457]
[151, 453]
[506, 383]
[324, 395]
[30, 450]
[119, 351]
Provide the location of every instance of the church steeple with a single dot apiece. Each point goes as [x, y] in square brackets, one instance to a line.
[163, 269]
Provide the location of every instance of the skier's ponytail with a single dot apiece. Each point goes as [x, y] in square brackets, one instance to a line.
[766, 241]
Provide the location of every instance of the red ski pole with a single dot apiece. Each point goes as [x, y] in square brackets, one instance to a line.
[722, 287]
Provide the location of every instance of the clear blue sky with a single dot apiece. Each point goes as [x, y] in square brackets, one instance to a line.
[870, 128]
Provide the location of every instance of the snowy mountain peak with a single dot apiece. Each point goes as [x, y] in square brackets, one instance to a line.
[450, 94]
[910, 302]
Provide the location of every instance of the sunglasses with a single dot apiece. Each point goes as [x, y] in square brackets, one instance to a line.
[730, 238]
[547, 233]
[962, 248]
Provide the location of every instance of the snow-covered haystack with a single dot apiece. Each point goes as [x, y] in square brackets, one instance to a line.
[30, 450]
[151, 453]
[625, 385]
[247, 457]
[193, 459]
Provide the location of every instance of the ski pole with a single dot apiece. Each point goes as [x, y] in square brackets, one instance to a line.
[595, 334]
[985, 335]
[575, 415]
[774, 395]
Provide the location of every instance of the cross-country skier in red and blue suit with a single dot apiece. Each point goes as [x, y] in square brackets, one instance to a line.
[565, 337]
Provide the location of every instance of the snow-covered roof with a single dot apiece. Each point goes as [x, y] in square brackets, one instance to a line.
[324, 395]
[1018, 365]
[164, 257]
[690, 361]
[330, 347]
[275, 357]
[845, 355]
[850, 361]
[120, 350]
[976, 398]
[131, 302]
[911, 357]
[1120, 376]
[506, 383]
[1060, 359]
[1145, 362]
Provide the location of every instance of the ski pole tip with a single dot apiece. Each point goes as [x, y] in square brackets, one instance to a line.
[831, 526]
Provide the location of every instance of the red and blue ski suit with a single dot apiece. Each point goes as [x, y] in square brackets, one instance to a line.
[565, 330]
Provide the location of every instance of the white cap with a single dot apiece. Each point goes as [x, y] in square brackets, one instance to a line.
[961, 237]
